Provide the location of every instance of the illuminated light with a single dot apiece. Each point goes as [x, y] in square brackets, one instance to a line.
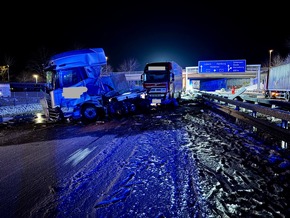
[39, 118]
[35, 76]
[143, 95]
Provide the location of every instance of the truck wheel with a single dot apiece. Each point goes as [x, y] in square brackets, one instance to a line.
[288, 96]
[267, 94]
[89, 113]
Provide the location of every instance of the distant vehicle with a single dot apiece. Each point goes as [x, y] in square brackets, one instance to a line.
[162, 82]
[76, 89]
[278, 82]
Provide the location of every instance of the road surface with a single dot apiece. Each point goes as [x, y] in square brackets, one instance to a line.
[185, 162]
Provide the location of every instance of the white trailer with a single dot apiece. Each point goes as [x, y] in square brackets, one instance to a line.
[278, 84]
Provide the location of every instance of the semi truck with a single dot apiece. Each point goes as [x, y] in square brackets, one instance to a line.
[76, 89]
[162, 82]
[278, 82]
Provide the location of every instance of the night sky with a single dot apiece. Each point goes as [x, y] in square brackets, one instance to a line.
[183, 31]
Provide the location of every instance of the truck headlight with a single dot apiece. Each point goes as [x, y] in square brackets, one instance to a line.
[143, 95]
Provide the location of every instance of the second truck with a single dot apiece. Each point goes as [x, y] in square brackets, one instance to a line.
[163, 83]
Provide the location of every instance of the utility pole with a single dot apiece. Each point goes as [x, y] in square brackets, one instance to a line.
[267, 82]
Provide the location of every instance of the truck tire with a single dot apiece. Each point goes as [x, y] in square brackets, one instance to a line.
[89, 113]
[288, 95]
[267, 94]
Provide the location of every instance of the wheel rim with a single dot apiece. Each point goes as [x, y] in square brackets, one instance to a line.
[90, 113]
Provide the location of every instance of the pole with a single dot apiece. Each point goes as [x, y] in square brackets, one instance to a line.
[267, 82]
[35, 76]
[8, 73]
[270, 52]
[186, 78]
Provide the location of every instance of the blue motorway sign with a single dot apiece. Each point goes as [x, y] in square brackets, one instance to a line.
[222, 66]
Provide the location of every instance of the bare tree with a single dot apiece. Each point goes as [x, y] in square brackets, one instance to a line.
[107, 70]
[3, 72]
[5, 69]
[129, 65]
[277, 60]
[24, 76]
[287, 59]
[36, 65]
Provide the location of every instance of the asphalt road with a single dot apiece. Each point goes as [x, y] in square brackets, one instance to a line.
[185, 162]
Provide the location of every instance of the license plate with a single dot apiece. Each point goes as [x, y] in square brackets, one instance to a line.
[156, 101]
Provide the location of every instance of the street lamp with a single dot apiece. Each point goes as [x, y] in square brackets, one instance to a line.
[267, 79]
[270, 52]
[35, 76]
[8, 73]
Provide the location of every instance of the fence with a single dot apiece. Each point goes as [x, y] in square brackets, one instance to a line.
[19, 98]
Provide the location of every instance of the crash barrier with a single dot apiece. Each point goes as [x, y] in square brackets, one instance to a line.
[255, 115]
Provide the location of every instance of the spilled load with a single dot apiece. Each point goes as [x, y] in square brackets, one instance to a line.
[76, 89]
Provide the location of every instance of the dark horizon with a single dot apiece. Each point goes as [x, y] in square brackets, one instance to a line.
[148, 32]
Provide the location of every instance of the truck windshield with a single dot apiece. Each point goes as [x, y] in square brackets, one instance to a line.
[153, 76]
[65, 77]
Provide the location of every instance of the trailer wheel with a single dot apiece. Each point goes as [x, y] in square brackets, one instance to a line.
[267, 94]
[89, 113]
[288, 96]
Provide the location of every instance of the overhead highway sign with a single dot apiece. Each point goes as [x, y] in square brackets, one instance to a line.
[222, 66]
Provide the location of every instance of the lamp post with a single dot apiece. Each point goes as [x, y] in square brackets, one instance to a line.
[270, 52]
[267, 79]
[35, 76]
[8, 73]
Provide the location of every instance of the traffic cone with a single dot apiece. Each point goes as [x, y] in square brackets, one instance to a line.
[233, 90]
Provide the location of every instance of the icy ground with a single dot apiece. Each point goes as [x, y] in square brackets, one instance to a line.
[188, 162]
[9, 111]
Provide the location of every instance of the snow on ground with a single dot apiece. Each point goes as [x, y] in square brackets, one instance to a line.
[239, 175]
[8, 111]
[187, 163]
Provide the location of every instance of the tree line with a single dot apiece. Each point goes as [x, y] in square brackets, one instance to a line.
[35, 66]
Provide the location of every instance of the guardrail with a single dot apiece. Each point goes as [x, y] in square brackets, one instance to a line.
[249, 113]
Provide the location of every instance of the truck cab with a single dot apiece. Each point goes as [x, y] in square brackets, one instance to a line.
[162, 82]
[76, 89]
